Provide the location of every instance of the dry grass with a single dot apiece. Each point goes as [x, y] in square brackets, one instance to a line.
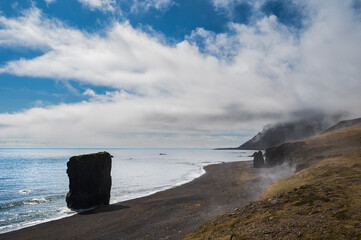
[322, 201]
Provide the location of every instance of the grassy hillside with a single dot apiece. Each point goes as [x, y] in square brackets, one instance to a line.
[322, 200]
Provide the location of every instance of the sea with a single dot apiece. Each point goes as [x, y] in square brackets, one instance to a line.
[34, 183]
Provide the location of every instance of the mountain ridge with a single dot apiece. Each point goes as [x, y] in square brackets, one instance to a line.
[275, 134]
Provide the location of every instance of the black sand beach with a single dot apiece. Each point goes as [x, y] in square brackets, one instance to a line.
[170, 214]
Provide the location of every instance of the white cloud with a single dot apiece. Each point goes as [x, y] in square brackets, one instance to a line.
[49, 1]
[89, 92]
[144, 5]
[229, 5]
[223, 45]
[104, 5]
[226, 4]
[175, 95]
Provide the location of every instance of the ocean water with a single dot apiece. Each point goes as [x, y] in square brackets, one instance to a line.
[34, 183]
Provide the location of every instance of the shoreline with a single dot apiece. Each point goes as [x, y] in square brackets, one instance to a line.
[72, 212]
[177, 210]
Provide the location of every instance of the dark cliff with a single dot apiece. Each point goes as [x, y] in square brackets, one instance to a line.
[287, 153]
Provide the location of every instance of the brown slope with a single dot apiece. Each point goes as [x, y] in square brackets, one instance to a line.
[321, 201]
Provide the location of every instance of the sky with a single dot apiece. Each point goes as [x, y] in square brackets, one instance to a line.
[172, 73]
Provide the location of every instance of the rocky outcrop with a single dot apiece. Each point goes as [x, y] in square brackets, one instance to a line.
[89, 180]
[258, 161]
[283, 154]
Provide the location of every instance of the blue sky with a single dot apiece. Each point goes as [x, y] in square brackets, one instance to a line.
[175, 21]
[215, 69]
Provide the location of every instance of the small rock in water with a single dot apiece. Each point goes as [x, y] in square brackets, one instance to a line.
[25, 192]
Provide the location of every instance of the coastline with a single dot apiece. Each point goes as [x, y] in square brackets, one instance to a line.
[72, 213]
[170, 213]
[135, 174]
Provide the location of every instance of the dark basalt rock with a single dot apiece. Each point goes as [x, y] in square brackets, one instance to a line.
[258, 161]
[89, 180]
[283, 154]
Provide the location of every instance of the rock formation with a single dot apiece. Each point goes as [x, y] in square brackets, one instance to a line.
[89, 180]
[258, 161]
[283, 154]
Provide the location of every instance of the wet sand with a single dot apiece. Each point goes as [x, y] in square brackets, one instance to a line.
[170, 214]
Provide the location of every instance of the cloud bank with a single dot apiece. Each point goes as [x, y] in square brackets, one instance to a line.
[197, 93]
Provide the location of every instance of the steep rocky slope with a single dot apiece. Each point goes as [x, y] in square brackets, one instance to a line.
[344, 124]
[272, 135]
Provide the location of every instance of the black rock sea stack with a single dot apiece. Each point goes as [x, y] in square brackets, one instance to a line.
[89, 180]
[258, 160]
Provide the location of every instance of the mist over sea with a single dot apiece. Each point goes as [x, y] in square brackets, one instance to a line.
[34, 183]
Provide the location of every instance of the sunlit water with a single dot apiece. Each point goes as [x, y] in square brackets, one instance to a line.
[34, 183]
